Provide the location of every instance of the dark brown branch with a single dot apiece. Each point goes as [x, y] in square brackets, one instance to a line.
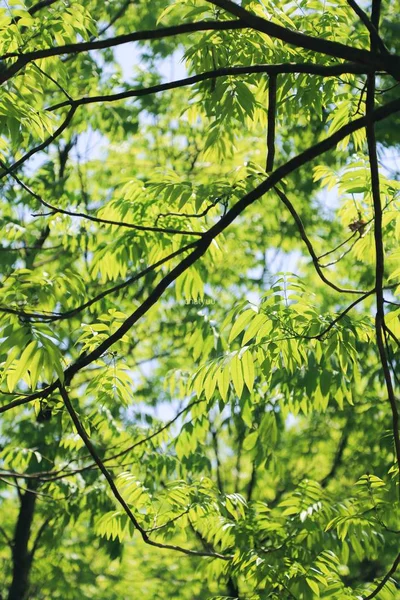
[332, 324]
[379, 248]
[14, 475]
[252, 482]
[120, 13]
[39, 5]
[84, 360]
[39, 534]
[94, 219]
[337, 461]
[339, 258]
[389, 63]
[320, 336]
[189, 215]
[50, 318]
[21, 559]
[220, 483]
[42, 146]
[369, 25]
[268, 69]
[31, 254]
[61, 473]
[384, 581]
[137, 36]
[157, 432]
[390, 332]
[391, 302]
[82, 434]
[306, 240]
[246, 19]
[284, 68]
[26, 489]
[355, 232]
[271, 123]
[51, 78]
[338, 246]
[6, 537]
[201, 246]
[164, 525]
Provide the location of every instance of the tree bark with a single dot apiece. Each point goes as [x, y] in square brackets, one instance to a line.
[21, 556]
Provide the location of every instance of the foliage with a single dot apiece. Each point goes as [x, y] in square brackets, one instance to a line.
[199, 326]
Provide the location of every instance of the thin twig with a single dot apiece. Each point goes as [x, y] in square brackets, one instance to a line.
[338, 246]
[120, 13]
[189, 215]
[39, 535]
[309, 245]
[82, 434]
[94, 219]
[52, 317]
[9, 169]
[6, 537]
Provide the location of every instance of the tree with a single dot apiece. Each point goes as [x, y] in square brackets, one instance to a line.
[198, 307]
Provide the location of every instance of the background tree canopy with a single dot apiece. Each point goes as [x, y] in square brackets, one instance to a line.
[199, 327]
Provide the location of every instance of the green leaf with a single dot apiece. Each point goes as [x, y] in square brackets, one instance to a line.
[313, 585]
[258, 321]
[22, 366]
[241, 322]
[250, 441]
[248, 369]
[223, 380]
[237, 375]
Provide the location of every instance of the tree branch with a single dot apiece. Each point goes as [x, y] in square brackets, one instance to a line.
[369, 25]
[38, 536]
[384, 581]
[153, 34]
[337, 461]
[310, 248]
[39, 5]
[389, 63]
[271, 123]
[268, 69]
[94, 219]
[46, 318]
[202, 245]
[220, 483]
[82, 434]
[42, 146]
[379, 248]
[6, 537]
